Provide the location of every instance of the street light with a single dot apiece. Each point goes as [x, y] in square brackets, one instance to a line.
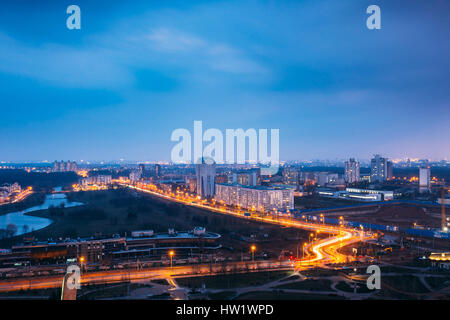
[253, 249]
[304, 248]
[171, 253]
[81, 262]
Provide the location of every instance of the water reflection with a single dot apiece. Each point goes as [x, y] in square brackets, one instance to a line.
[26, 223]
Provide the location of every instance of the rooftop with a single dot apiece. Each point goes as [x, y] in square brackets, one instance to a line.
[273, 187]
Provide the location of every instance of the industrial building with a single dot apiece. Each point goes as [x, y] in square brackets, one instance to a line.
[357, 194]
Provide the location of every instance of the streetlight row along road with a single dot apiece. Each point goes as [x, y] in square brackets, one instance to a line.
[324, 250]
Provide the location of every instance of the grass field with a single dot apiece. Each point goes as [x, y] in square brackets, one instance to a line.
[308, 284]
[222, 295]
[438, 283]
[347, 287]
[108, 291]
[279, 295]
[406, 283]
[233, 280]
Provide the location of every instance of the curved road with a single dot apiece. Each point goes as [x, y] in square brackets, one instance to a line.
[323, 251]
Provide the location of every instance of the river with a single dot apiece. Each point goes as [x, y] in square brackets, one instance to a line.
[26, 223]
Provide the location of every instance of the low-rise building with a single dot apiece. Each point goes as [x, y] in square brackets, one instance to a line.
[141, 244]
[357, 194]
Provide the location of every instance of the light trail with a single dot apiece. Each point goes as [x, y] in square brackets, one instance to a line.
[325, 250]
[20, 196]
[132, 275]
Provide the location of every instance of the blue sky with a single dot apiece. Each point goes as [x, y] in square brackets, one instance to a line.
[137, 70]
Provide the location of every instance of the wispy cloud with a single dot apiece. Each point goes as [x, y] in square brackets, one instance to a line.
[62, 65]
[172, 41]
[109, 60]
[213, 55]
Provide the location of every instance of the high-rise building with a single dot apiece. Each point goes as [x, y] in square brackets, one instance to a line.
[222, 178]
[259, 198]
[351, 171]
[157, 170]
[64, 166]
[96, 180]
[245, 177]
[55, 166]
[205, 173]
[191, 183]
[135, 175]
[141, 169]
[424, 179]
[378, 169]
[390, 170]
[291, 176]
[321, 178]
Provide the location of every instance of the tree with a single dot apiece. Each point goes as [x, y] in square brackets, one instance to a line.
[25, 228]
[11, 229]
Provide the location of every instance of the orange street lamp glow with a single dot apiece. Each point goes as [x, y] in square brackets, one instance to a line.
[171, 253]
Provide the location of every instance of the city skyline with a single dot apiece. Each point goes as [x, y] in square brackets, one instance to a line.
[365, 161]
[118, 87]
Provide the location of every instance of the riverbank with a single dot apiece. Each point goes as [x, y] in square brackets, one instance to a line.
[32, 200]
[32, 219]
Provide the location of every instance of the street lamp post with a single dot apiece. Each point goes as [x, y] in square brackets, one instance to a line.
[304, 249]
[253, 249]
[81, 262]
[171, 253]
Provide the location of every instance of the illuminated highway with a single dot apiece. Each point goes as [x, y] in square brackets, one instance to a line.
[20, 196]
[126, 275]
[319, 251]
[323, 251]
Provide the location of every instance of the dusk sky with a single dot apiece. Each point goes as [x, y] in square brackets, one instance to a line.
[137, 70]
